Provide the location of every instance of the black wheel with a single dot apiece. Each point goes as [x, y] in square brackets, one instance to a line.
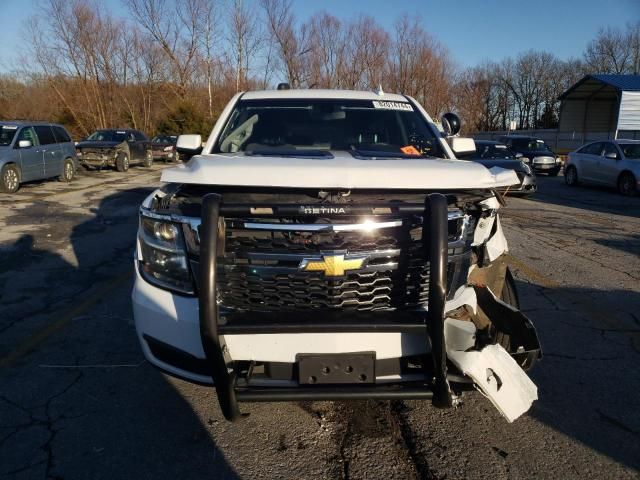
[68, 171]
[122, 162]
[571, 176]
[9, 179]
[148, 159]
[509, 296]
[627, 184]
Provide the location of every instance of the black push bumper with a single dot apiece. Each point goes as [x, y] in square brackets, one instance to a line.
[436, 386]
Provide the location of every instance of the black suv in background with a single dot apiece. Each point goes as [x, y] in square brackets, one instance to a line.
[115, 148]
[535, 152]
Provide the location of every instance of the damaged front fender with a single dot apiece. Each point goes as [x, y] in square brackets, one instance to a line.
[486, 337]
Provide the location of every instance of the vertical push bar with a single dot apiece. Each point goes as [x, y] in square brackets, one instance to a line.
[209, 308]
[435, 238]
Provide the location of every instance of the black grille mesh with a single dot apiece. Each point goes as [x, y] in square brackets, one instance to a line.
[260, 286]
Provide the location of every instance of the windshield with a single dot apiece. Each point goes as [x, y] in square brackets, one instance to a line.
[168, 139]
[492, 150]
[310, 127]
[631, 150]
[7, 132]
[531, 145]
[108, 136]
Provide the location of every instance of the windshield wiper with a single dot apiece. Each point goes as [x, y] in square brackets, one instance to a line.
[368, 154]
[287, 152]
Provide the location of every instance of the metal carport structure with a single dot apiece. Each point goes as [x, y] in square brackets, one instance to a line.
[600, 107]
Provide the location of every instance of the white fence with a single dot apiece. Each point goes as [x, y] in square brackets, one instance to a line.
[561, 142]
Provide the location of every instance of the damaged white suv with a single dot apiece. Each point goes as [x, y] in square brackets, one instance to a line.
[328, 245]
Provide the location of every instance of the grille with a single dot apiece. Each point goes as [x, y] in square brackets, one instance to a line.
[260, 269]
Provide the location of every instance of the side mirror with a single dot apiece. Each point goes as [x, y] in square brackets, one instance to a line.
[450, 124]
[25, 144]
[189, 145]
[611, 155]
[462, 145]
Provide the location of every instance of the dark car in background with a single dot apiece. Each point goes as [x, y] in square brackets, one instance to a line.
[115, 148]
[535, 152]
[34, 151]
[163, 147]
[495, 154]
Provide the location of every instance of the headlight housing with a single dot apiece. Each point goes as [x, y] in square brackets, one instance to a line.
[164, 260]
[526, 168]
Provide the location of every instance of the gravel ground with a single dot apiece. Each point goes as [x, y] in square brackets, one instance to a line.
[77, 399]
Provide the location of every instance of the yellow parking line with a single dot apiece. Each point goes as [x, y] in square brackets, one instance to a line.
[532, 273]
[63, 320]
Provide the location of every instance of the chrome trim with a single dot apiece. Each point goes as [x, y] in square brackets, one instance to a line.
[321, 227]
[194, 224]
[372, 254]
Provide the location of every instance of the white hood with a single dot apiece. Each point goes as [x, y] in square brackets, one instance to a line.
[343, 172]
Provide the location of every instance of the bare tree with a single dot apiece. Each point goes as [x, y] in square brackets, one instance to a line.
[291, 44]
[176, 26]
[244, 39]
[366, 50]
[612, 51]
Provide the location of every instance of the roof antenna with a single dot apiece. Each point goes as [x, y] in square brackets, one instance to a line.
[380, 91]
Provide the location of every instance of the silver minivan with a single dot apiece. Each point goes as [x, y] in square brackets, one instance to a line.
[34, 151]
[614, 163]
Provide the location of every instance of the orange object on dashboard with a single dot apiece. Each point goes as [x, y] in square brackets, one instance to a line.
[410, 150]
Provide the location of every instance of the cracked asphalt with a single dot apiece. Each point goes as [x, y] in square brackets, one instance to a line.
[78, 401]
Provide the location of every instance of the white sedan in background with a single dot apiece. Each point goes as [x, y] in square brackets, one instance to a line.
[613, 163]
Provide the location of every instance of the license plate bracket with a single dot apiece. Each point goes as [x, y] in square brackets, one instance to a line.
[336, 368]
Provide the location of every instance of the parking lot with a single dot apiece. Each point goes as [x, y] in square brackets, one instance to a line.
[77, 399]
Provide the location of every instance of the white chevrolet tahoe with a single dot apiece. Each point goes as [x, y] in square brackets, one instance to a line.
[327, 245]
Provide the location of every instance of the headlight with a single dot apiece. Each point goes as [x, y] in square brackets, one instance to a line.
[164, 261]
[558, 160]
[79, 153]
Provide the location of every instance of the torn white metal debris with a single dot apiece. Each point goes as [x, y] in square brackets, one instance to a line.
[500, 378]
[493, 370]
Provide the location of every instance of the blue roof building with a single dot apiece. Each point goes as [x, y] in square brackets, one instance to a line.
[601, 106]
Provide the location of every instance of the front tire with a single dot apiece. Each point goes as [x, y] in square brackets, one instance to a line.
[9, 179]
[122, 162]
[627, 184]
[148, 159]
[509, 296]
[68, 171]
[571, 176]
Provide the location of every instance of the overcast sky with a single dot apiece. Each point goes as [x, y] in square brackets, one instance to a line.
[473, 30]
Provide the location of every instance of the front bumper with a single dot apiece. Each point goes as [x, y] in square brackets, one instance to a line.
[195, 339]
[97, 159]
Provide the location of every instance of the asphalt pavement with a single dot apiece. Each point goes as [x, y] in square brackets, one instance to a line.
[78, 400]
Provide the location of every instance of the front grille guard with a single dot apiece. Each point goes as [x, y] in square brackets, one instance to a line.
[435, 242]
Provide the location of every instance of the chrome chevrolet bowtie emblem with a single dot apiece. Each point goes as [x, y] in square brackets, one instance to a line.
[332, 265]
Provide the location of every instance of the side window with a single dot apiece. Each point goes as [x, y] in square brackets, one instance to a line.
[139, 136]
[593, 149]
[131, 137]
[61, 134]
[45, 134]
[610, 148]
[27, 133]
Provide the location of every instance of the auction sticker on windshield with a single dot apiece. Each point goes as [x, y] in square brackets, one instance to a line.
[393, 105]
